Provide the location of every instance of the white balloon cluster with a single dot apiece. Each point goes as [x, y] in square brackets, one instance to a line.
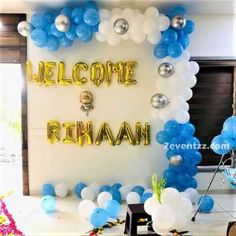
[128, 23]
[172, 212]
[176, 86]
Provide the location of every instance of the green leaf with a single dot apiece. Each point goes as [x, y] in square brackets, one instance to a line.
[158, 187]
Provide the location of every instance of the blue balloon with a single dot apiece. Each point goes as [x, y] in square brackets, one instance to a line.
[145, 197]
[112, 208]
[49, 17]
[220, 146]
[105, 188]
[189, 27]
[161, 50]
[172, 127]
[39, 37]
[98, 218]
[91, 4]
[84, 32]
[78, 189]
[71, 33]
[191, 169]
[48, 189]
[37, 20]
[178, 11]
[187, 130]
[169, 36]
[65, 42]
[192, 183]
[229, 127]
[55, 32]
[48, 204]
[207, 204]
[53, 43]
[162, 137]
[116, 195]
[184, 40]
[117, 186]
[170, 176]
[77, 15]
[196, 158]
[95, 28]
[172, 152]
[184, 179]
[91, 17]
[66, 11]
[138, 189]
[175, 49]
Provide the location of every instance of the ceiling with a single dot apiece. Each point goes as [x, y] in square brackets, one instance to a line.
[193, 6]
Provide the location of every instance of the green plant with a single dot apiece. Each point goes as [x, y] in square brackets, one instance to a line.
[158, 186]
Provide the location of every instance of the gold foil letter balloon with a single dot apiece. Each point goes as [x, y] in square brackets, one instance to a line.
[84, 134]
[129, 72]
[142, 133]
[48, 73]
[97, 73]
[76, 73]
[125, 133]
[53, 131]
[69, 129]
[117, 68]
[39, 78]
[105, 133]
[61, 75]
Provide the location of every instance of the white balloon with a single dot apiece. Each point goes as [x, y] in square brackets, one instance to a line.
[186, 207]
[104, 27]
[95, 188]
[128, 14]
[124, 190]
[182, 67]
[181, 221]
[139, 37]
[24, 28]
[186, 93]
[100, 37]
[190, 81]
[149, 26]
[62, 23]
[103, 198]
[185, 55]
[194, 196]
[154, 37]
[151, 12]
[85, 208]
[178, 104]
[166, 114]
[151, 204]
[116, 11]
[182, 117]
[61, 190]
[87, 193]
[133, 198]
[113, 39]
[163, 217]
[186, 195]
[159, 231]
[163, 22]
[170, 196]
[104, 14]
[194, 67]
[149, 190]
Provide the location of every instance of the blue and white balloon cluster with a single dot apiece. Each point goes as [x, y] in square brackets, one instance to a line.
[182, 154]
[175, 39]
[226, 141]
[54, 29]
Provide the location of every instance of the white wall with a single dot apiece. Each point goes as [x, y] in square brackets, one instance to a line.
[115, 104]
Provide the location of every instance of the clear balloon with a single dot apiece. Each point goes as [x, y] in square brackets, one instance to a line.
[61, 190]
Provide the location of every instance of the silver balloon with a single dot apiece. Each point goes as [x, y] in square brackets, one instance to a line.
[24, 28]
[159, 101]
[176, 160]
[62, 23]
[178, 22]
[121, 26]
[166, 69]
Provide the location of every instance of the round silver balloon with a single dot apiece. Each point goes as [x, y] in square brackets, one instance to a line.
[159, 101]
[24, 28]
[166, 69]
[121, 26]
[176, 160]
[62, 23]
[178, 22]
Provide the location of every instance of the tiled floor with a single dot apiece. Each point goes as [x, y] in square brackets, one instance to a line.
[66, 221]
